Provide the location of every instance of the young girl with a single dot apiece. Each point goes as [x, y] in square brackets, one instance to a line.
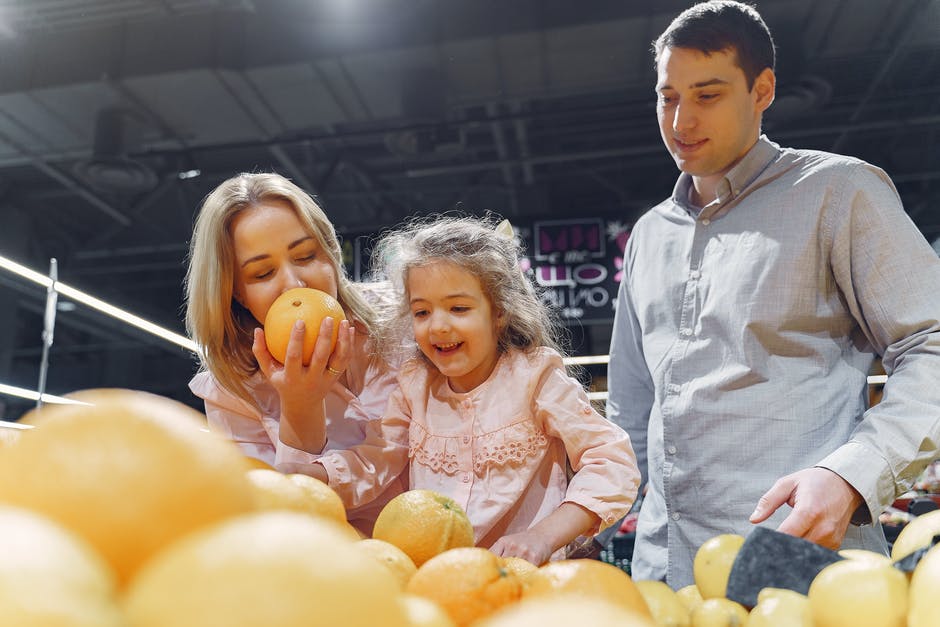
[256, 236]
[485, 411]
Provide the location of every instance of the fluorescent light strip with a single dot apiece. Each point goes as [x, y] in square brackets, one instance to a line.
[12, 390]
[100, 305]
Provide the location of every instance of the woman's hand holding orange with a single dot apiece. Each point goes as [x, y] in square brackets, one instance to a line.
[302, 389]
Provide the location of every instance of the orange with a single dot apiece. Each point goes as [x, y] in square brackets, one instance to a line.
[390, 557]
[861, 593]
[50, 576]
[712, 564]
[300, 303]
[254, 462]
[523, 569]
[424, 612]
[423, 523]
[284, 569]
[129, 473]
[591, 578]
[9, 436]
[273, 490]
[566, 610]
[469, 583]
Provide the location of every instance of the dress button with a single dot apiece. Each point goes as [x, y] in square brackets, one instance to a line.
[467, 403]
[685, 331]
[466, 477]
[706, 221]
[671, 450]
[695, 274]
[466, 439]
[674, 388]
[675, 516]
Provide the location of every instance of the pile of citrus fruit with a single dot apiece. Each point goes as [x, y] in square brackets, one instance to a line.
[865, 589]
[123, 510]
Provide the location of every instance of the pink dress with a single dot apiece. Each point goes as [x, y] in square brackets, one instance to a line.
[349, 408]
[501, 451]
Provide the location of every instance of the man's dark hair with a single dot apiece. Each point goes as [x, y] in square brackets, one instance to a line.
[722, 25]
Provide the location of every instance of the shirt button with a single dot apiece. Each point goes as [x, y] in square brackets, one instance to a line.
[675, 516]
[671, 450]
[466, 439]
[685, 331]
[706, 221]
[466, 477]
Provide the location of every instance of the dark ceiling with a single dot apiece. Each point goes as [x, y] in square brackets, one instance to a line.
[383, 109]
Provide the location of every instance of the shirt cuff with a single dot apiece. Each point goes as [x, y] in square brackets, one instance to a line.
[340, 477]
[607, 513]
[867, 472]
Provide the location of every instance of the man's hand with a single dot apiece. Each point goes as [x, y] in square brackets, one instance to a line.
[822, 502]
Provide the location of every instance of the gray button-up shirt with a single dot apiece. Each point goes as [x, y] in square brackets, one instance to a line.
[743, 338]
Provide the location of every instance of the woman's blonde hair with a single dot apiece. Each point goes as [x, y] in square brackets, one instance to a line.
[475, 245]
[221, 327]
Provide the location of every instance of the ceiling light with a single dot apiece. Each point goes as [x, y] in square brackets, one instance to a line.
[12, 390]
[97, 304]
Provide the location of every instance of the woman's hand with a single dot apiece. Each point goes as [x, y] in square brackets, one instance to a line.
[302, 389]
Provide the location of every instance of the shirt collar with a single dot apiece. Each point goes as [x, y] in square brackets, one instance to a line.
[736, 181]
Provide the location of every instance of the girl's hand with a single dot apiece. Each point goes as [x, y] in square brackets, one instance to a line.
[556, 530]
[530, 546]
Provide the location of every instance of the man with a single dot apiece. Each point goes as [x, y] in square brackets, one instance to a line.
[753, 304]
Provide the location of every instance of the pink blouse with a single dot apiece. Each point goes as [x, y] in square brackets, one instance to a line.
[349, 408]
[501, 451]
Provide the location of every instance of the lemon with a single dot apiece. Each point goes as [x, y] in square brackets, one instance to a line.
[713, 562]
[690, 597]
[719, 612]
[859, 593]
[664, 604]
[862, 554]
[777, 607]
[916, 534]
[925, 582]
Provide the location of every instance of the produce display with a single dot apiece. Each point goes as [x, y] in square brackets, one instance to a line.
[125, 511]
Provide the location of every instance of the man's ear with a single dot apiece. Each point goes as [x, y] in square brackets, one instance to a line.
[765, 87]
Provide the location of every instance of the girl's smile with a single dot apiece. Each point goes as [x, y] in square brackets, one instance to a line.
[454, 323]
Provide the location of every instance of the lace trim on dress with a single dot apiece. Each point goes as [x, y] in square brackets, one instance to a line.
[511, 444]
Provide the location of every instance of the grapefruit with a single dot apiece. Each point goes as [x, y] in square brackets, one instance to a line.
[300, 303]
